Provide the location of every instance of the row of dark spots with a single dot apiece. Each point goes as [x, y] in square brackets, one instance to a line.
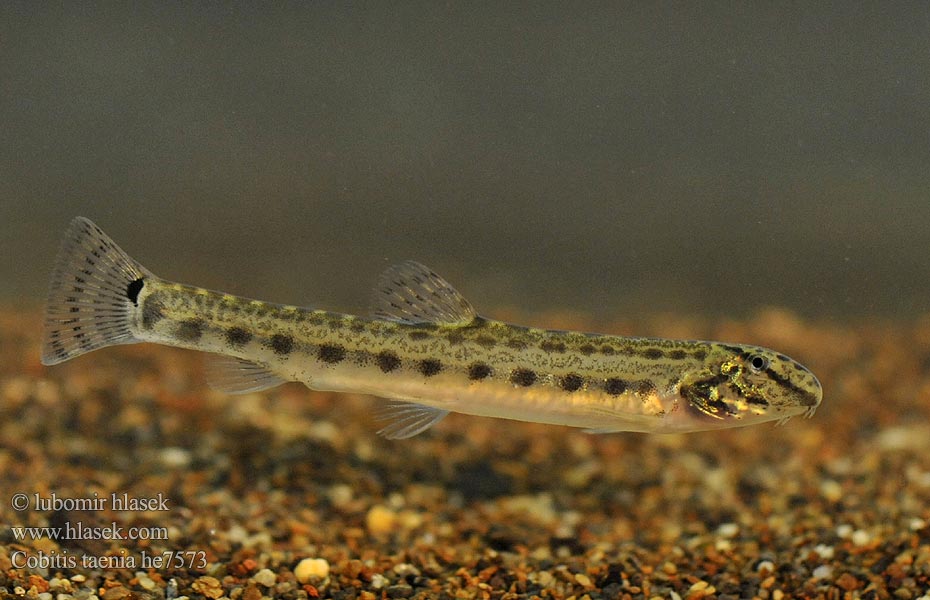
[388, 362]
[650, 353]
[616, 386]
[573, 382]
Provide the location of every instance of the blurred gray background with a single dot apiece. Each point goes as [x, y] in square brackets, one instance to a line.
[620, 159]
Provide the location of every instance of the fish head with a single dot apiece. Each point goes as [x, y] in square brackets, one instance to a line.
[745, 385]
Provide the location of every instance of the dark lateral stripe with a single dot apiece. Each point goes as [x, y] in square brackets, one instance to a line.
[787, 383]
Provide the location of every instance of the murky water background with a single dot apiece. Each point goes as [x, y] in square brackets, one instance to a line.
[617, 159]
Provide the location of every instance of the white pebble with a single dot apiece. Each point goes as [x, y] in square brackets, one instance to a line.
[844, 531]
[406, 569]
[765, 565]
[144, 580]
[174, 457]
[728, 530]
[310, 569]
[378, 581]
[339, 494]
[265, 577]
[860, 537]
[823, 572]
[831, 490]
[824, 551]
[917, 524]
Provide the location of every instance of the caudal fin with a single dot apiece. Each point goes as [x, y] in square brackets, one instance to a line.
[93, 290]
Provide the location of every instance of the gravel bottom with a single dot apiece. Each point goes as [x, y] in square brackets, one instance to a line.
[290, 494]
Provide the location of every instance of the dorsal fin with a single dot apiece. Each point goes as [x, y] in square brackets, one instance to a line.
[409, 292]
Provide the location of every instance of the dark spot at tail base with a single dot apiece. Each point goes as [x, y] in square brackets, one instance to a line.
[133, 289]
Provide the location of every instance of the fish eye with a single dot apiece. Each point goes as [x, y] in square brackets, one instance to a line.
[757, 362]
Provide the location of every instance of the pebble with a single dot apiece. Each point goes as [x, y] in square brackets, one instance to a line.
[860, 537]
[175, 458]
[831, 490]
[823, 572]
[728, 530]
[145, 582]
[765, 566]
[206, 585]
[265, 577]
[310, 569]
[380, 520]
[340, 494]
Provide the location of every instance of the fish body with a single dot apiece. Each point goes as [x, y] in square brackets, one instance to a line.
[424, 347]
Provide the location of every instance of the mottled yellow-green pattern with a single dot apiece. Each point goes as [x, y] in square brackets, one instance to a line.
[424, 345]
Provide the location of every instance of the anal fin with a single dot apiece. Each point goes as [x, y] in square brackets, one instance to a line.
[239, 376]
[407, 419]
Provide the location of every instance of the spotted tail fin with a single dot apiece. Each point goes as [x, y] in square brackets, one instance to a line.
[94, 289]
